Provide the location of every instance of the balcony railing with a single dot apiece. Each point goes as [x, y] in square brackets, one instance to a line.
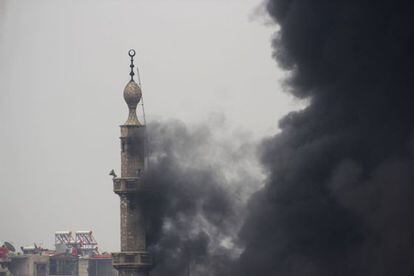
[134, 260]
[126, 185]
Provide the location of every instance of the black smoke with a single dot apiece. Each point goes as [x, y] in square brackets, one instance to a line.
[199, 178]
[339, 196]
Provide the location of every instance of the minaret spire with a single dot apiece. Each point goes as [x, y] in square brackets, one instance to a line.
[131, 53]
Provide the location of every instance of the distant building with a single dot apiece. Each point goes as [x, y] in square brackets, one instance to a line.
[42, 265]
[73, 256]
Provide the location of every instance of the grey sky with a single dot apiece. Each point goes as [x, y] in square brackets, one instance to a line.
[63, 66]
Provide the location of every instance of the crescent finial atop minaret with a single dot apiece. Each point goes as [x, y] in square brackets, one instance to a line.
[132, 94]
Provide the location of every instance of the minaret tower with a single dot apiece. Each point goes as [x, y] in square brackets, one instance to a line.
[133, 260]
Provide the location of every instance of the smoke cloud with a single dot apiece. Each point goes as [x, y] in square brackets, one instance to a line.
[338, 198]
[199, 178]
[339, 188]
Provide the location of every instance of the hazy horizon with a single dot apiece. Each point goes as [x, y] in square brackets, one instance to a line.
[63, 68]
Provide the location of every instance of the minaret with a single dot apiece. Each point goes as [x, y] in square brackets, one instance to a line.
[133, 260]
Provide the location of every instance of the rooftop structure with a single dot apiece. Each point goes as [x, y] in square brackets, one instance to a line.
[82, 244]
[75, 255]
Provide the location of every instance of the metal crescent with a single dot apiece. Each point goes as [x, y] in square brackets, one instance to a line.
[131, 52]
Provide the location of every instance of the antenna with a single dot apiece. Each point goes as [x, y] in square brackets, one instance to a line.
[142, 97]
[145, 122]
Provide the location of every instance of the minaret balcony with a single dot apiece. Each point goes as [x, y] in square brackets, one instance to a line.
[132, 260]
[128, 185]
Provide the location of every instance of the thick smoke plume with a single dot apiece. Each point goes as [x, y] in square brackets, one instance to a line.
[340, 190]
[200, 178]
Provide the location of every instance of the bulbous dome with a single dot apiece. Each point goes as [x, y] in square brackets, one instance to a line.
[132, 94]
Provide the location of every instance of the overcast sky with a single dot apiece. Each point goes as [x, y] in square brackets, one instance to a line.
[63, 67]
